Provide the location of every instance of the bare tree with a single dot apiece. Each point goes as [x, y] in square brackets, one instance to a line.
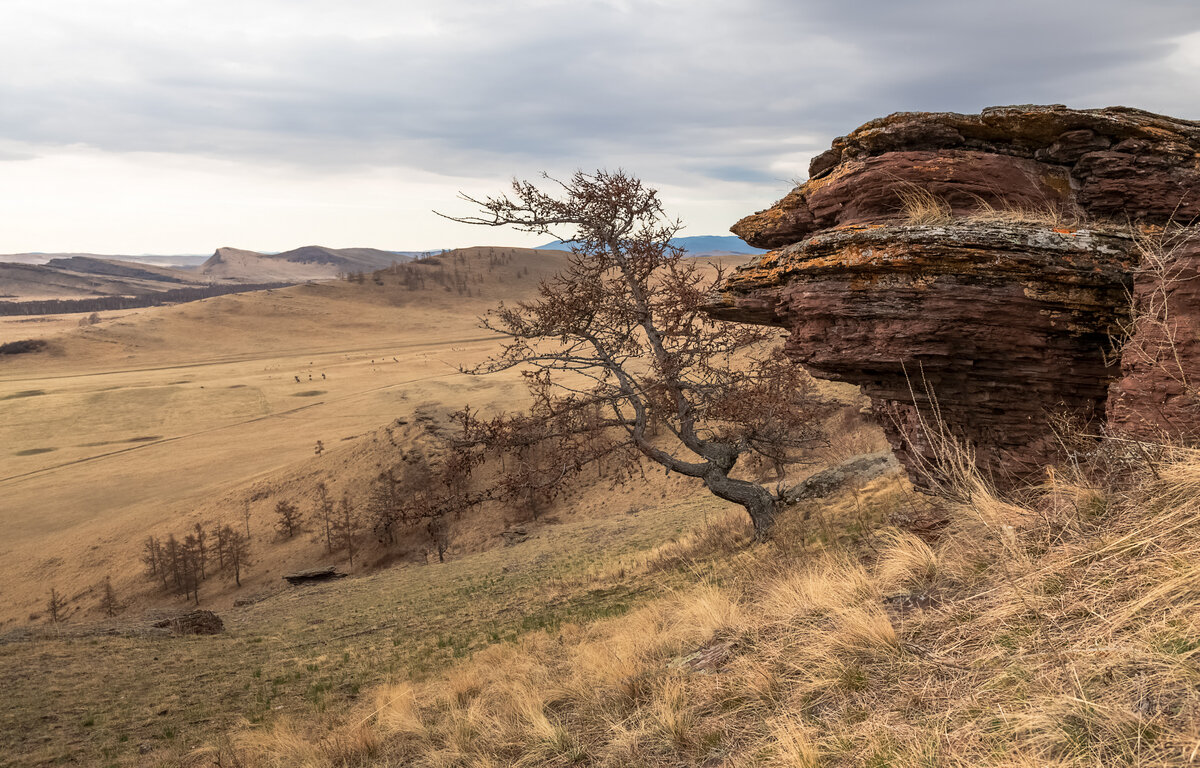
[108, 599]
[201, 552]
[56, 605]
[288, 521]
[221, 544]
[622, 327]
[154, 560]
[323, 515]
[385, 506]
[237, 552]
[189, 566]
[346, 528]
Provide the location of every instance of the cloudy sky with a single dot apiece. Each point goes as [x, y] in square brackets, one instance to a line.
[176, 126]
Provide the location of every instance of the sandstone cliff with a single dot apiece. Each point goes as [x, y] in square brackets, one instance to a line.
[998, 313]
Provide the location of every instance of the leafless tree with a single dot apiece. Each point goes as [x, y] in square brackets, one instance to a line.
[323, 515]
[56, 605]
[237, 552]
[346, 528]
[622, 328]
[189, 567]
[108, 599]
[385, 506]
[201, 551]
[154, 560]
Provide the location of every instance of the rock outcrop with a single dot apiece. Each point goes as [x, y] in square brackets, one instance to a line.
[1158, 395]
[997, 313]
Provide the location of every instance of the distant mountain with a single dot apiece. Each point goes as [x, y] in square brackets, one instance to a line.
[311, 262]
[161, 260]
[698, 245]
[84, 277]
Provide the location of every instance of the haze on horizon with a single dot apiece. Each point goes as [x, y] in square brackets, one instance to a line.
[133, 126]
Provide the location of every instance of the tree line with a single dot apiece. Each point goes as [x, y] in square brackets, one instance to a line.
[181, 565]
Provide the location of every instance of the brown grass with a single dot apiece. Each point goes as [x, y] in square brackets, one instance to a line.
[919, 206]
[1063, 631]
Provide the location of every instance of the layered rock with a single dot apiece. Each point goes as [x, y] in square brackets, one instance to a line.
[1115, 164]
[999, 319]
[1158, 395]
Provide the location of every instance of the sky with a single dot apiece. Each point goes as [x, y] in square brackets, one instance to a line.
[178, 126]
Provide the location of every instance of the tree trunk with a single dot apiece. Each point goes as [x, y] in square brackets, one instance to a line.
[757, 501]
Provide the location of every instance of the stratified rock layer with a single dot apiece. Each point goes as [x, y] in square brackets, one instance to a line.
[992, 325]
[1110, 164]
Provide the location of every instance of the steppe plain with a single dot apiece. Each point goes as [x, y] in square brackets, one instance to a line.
[154, 419]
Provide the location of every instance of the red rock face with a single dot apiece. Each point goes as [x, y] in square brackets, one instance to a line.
[1108, 164]
[986, 327]
[1158, 394]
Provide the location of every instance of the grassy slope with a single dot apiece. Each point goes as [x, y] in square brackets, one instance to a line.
[1061, 631]
[93, 699]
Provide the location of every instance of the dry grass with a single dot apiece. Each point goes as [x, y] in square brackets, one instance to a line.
[1064, 631]
[919, 206]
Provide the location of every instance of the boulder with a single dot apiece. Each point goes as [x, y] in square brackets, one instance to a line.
[999, 317]
[193, 623]
[311, 575]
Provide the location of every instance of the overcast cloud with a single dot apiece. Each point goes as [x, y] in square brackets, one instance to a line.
[178, 126]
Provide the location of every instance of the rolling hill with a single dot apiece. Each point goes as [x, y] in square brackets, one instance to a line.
[311, 262]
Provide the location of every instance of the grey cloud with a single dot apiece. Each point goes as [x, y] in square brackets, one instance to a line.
[554, 85]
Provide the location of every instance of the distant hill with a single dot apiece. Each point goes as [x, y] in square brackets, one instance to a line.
[161, 260]
[699, 245]
[84, 277]
[310, 262]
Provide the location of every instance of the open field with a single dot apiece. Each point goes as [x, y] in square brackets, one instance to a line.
[154, 416]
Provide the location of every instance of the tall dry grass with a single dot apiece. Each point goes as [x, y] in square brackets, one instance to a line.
[1062, 631]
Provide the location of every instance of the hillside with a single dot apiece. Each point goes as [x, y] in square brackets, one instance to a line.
[1060, 631]
[312, 262]
[154, 420]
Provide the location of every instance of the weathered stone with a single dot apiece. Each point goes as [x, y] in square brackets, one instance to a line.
[987, 328]
[990, 328]
[860, 469]
[1115, 163]
[311, 575]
